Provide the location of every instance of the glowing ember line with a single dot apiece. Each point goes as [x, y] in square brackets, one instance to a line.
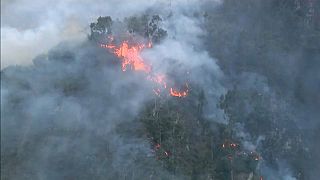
[177, 93]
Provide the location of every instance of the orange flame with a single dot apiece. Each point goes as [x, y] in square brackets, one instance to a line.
[178, 93]
[130, 58]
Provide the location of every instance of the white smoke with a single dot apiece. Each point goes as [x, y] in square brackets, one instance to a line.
[183, 50]
[32, 28]
[80, 127]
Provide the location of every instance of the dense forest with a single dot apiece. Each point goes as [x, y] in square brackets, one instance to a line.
[252, 110]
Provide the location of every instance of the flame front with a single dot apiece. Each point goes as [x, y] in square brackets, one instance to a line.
[130, 57]
[176, 93]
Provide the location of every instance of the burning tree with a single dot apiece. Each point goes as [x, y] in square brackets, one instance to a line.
[181, 138]
[128, 46]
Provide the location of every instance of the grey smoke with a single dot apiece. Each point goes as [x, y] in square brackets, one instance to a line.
[72, 115]
[61, 116]
[182, 49]
[283, 49]
[34, 28]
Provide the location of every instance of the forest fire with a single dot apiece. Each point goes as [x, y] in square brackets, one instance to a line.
[129, 54]
[177, 93]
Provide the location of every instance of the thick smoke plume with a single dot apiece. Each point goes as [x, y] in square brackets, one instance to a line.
[68, 111]
[34, 28]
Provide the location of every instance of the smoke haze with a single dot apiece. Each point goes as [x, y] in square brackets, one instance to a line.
[34, 28]
[69, 112]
